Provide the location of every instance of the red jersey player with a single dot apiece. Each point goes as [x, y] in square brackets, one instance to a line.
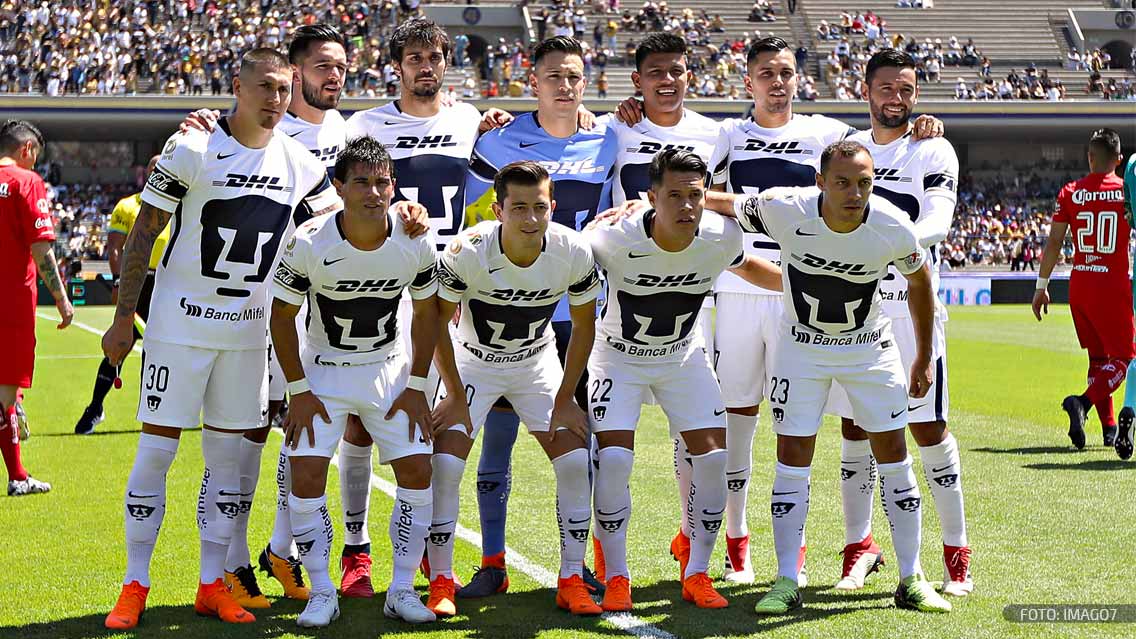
[26, 236]
[1100, 295]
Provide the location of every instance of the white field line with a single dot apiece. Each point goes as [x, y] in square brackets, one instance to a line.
[626, 622]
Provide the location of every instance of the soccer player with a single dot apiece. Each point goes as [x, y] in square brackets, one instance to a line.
[660, 264]
[838, 243]
[237, 193]
[919, 177]
[580, 163]
[27, 234]
[352, 268]
[1100, 295]
[121, 221]
[1128, 414]
[508, 277]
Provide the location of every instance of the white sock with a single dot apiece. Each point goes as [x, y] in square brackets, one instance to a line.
[311, 528]
[707, 505]
[789, 507]
[573, 509]
[218, 503]
[446, 483]
[249, 469]
[739, 460]
[612, 498]
[146, 503]
[682, 476]
[409, 522]
[899, 493]
[857, 488]
[943, 471]
[281, 543]
[355, 490]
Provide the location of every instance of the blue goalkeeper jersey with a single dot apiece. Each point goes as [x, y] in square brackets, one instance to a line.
[581, 167]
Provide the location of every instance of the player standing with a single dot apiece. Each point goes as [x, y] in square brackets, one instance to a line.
[352, 268]
[508, 278]
[581, 164]
[919, 177]
[27, 234]
[121, 221]
[838, 244]
[237, 192]
[1100, 295]
[1128, 414]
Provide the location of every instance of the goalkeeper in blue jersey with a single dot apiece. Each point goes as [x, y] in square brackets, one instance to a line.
[581, 163]
[1124, 432]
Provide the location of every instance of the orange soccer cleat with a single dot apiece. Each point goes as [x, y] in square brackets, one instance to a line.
[617, 598]
[215, 600]
[572, 595]
[699, 590]
[680, 550]
[129, 607]
[441, 600]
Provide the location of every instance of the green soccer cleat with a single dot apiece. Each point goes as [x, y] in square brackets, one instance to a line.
[916, 593]
[783, 597]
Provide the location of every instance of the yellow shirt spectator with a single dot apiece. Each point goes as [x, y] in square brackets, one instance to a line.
[122, 220]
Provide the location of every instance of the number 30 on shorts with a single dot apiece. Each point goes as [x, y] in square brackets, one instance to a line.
[779, 390]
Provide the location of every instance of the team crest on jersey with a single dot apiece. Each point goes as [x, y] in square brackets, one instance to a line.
[599, 412]
[168, 151]
[455, 246]
[291, 244]
[912, 260]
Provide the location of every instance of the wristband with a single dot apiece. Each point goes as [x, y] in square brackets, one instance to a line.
[298, 386]
[416, 382]
[1042, 283]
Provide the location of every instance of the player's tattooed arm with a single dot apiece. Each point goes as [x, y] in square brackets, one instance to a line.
[1057, 231]
[921, 303]
[759, 272]
[44, 257]
[135, 261]
[565, 412]
[453, 409]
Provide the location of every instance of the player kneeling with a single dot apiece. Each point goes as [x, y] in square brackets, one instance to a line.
[352, 268]
[508, 276]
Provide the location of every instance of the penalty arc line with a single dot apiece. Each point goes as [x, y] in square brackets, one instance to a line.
[626, 622]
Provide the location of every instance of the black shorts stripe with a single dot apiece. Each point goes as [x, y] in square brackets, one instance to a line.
[940, 388]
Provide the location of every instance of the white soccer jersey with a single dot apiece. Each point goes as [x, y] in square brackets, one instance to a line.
[431, 158]
[830, 279]
[654, 296]
[758, 158]
[638, 145]
[325, 141]
[353, 294]
[506, 309]
[232, 209]
[907, 172]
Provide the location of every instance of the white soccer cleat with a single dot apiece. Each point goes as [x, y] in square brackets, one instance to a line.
[860, 560]
[322, 609]
[406, 605]
[957, 581]
[737, 552]
[29, 486]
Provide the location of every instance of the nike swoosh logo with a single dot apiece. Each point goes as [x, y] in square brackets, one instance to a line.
[719, 412]
[614, 512]
[791, 492]
[894, 415]
[915, 408]
[292, 135]
[939, 470]
[633, 255]
[130, 494]
[494, 270]
[905, 490]
[327, 262]
[525, 145]
[389, 123]
[711, 514]
[574, 521]
[439, 525]
[351, 514]
[225, 493]
[798, 232]
[222, 157]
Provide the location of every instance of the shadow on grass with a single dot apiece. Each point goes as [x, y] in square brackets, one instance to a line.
[97, 433]
[1029, 450]
[1095, 464]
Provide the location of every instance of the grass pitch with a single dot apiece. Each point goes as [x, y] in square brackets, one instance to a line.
[1048, 524]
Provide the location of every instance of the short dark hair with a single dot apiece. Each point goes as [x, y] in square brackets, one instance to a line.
[771, 44]
[366, 151]
[419, 30]
[678, 160]
[304, 37]
[556, 44]
[885, 58]
[1105, 142]
[16, 133]
[523, 173]
[266, 57]
[658, 42]
[844, 149]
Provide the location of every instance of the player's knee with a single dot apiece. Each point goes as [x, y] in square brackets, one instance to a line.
[749, 411]
[258, 435]
[309, 476]
[929, 433]
[413, 472]
[889, 447]
[705, 440]
[795, 451]
[849, 430]
[616, 438]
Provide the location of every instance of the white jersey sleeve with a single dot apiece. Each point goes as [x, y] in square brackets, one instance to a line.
[425, 283]
[771, 213]
[292, 280]
[585, 281]
[453, 270]
[177, 168]
[907, 255]
[940, 184]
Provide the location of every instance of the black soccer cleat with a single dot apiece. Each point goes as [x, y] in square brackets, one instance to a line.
[1076, 410]
[1124, 433]
[486, 581]
[92, 416]
[1108, 434]
[595, 586]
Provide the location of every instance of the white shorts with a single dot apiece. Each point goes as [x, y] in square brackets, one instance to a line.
[687, 392]
[933, 407]
[705, 326]
[184, 386]
[745, 343]
[872, 377]
[530, 388]
[366, 391]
